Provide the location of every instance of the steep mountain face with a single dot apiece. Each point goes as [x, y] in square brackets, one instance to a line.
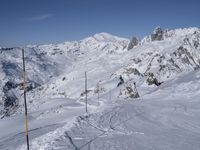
[40, 68]
[165, 54]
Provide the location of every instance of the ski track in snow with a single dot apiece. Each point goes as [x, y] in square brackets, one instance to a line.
[133, 121]
[149, 123]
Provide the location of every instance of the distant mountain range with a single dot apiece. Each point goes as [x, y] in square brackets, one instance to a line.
[164, 54]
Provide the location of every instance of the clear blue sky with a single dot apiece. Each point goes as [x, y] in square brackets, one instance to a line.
[52, 21]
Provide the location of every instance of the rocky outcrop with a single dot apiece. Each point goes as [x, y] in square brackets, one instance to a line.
[129, 90]
[134, 42]
[158, 34]
[153, 80]
[10, 99]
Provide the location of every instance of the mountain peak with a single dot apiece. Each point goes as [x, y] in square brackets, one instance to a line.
[103, 36]
[157, 29]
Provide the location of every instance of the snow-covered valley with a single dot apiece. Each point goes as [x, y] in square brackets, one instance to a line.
[165, 117]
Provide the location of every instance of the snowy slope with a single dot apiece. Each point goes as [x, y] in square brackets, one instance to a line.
[166, 118]
[56, 93]
[46, 62]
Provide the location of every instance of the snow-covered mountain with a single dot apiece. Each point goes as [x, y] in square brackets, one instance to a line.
[46, 62]
[55, 76]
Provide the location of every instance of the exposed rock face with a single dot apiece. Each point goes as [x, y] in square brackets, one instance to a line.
[158, 34]
[129, 90]
[186, 57]
[132, 71]
[153, 80]
[121, 81]
[134, 42]
[10, 99]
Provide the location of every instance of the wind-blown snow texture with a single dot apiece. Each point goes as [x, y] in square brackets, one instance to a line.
[163, 118]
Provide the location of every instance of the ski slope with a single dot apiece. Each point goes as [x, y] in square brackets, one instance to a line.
[163, 118]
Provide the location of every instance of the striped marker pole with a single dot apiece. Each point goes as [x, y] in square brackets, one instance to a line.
[86, 92]
[24, 85]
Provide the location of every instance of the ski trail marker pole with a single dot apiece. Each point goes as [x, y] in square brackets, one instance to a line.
[25, 105]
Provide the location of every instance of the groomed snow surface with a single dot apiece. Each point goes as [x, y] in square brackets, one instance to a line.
[164, 118]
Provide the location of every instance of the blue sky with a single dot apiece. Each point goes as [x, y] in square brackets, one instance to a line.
[25, 22]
